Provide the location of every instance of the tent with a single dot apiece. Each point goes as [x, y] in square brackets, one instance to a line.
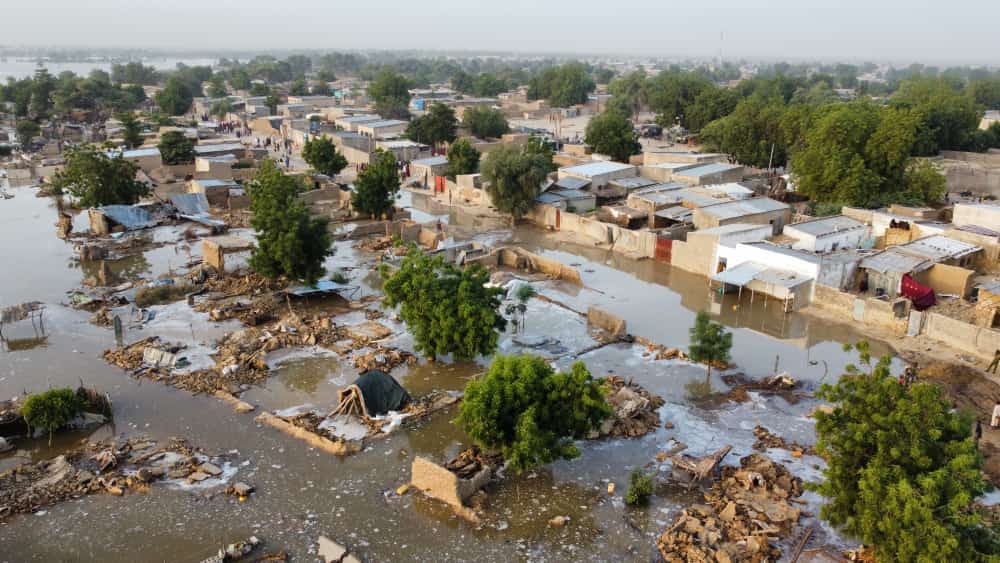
[920, 295]
[372, 394]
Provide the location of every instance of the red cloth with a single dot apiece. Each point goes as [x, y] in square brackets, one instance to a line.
[921, 296]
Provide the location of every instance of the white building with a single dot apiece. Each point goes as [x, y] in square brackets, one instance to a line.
[599, 172]
[827, 234]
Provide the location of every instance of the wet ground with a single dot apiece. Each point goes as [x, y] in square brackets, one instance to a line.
[303, 493]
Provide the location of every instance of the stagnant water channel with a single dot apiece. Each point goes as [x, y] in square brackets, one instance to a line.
[303, 493]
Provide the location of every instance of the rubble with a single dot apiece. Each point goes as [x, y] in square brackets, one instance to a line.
[766, 439]
[112, 466]
[746, 510]
[471, 461]
[234, 551]
[635, 410]
[695, 469]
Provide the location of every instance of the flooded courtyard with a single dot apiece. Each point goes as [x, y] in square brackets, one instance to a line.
[302, 492]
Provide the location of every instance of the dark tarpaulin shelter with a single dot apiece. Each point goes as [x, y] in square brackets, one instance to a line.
[920, 295]
[374, 393]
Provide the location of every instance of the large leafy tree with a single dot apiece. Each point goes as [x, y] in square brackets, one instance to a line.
[95, 178]
[485, 122]
[710, 342]
[175, 98]
[902, 471]
[748, 134]
[131, 129]
[43, 86]
[321, 88]
[529, 412]
[629, 92]
[298, 88]
[950, 117]
[390, 91]
[562, 86]
[290, 242]
[175, 148]
[376, 187]
[448, 310]
[670, 94]
[436, 126]
[611, 133]
[463, 158]
[514, 175]
[26, 130]
[488, 85]
[322, 155]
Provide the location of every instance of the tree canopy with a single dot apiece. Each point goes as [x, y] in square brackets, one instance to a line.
[175, 98]
[611, 133]
[710, 342]
[390, 91]
[485, 122]
[436, 126]
[51, 409]
[463, 158]
[902, 471]
[131, 129]
[175, 148]
[562, 86]
[448, 310]
[26, 131]
[514, 175]
[290, 242]
[322, 155]
[376, 187]
[529, 412]
[96, 179]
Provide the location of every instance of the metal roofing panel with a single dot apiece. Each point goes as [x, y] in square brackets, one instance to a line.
[739, 208]
[892, 260]
[549, 198]
[190, 204]
[129, 216]
[432, 161]
[740, 275]
[633, 182]
[783, 278]
[938, 247]
[826, 225]
[596, 168]
[571, 194]
[978, 230]
[138, 153]
[213, 183]
[222, 147]
[383, 123]
[706, 169]
[571, 183]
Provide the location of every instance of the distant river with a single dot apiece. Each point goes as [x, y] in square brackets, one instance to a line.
[20, 67]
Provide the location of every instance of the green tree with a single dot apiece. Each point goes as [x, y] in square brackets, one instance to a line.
[52, 409]
[562, 86]
[175, 148]
[298, 88]
[530, 413]
[448, 310]
[487, 85]
[131, 129]
[710, 342]
[321, 88]
[217, 87]
[463, 81]
[485, 122]
[290, 242]
[41, 93]
[902, 471]
[611, 133]
[640, 488]
[239, 79]
[603, 75]
[950, 117]
[436, 126]
[376, 187]
[260, 89]
[671, 93]
[748, 134]
[175, 98]
[26, 131]
[463, 158]
[514, 176]
[271, 101]
[96, 179]
[322, 155]
[391, 93]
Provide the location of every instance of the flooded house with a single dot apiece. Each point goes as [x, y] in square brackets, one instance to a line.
[761, 210]
[827, 234]
[937, 262]
[780, 273]
[699, 254]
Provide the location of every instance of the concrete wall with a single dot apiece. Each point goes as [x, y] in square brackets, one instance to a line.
[698, 255]
[943, 278]
[984, 216]
[850, 238]
[989, 259]
[704, 219]
[514, 257]
[641, 244]
[961, 335]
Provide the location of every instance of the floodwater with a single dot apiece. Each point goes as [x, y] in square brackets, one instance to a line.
[302, 493]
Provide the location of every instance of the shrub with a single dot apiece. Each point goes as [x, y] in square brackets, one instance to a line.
[640, 488]
[52, 409]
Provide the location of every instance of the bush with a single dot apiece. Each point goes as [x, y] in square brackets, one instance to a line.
[640, 488]
[52, 409]
[529, 412]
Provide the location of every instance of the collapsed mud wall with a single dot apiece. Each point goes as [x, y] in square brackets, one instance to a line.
[514, 257]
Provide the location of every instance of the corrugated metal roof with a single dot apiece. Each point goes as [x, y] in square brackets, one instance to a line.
[571, 183]
[706, 169]
[383, 123]
[731, 189]
[213, 183]
[571, 194]
[676, 213]
[825, 226]
[221, 147]
[938, 247]
[990, 286]
[549, 198]
[432, 161]
[129, 216]
[740, 275]
[978, 230]
[190, 204]
[892, 260]
[596, 168]
[359, 118]
[139, 153]
[659, 188]
[632, 183]
[790, 252]
[739, 208]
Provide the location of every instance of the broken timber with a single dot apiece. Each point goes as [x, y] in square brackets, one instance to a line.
[698, 468]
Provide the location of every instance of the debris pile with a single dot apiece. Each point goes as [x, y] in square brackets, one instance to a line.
[382, 358]
[471, 461]
[747, 509]
[112, 466]
[780, 384]
[634, 410]
[766, 439]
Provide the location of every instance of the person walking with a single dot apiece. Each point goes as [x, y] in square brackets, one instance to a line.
[979, 431]
[996, 362]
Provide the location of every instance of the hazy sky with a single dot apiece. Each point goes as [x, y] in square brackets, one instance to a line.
[898, 30]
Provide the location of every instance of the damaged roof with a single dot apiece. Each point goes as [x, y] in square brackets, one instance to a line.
[131, 217]
[893, 260]
[743, 207]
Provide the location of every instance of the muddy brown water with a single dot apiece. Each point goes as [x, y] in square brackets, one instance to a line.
[303, 493]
